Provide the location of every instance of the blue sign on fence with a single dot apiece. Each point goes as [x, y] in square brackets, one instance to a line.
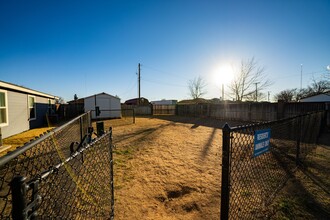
[261, 142]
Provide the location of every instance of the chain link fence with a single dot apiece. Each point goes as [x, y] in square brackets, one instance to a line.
[118, 117]
[250, 181]
[64, 174]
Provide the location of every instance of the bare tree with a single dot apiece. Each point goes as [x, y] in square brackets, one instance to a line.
[326, 75]
[317, 87]
[249, 81]
[287, 95]
[321, 86]
[197, 88]
[256, 96]
[60, 100]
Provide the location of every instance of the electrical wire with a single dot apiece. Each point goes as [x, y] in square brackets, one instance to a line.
[298, 74]
[162, 83]
[165, 72]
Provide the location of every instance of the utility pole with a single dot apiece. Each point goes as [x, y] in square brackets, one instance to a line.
[223, 92]
[257, 91]
[268, 95]
[301, 76]
[139, 84]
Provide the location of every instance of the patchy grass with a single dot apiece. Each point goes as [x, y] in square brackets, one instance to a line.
[19, 140]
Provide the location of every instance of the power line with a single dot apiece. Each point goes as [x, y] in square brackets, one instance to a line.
[295, 75]
[163, 83]
[165, 72]
[130, 88]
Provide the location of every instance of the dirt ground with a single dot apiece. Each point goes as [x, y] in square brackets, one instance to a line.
[167, 169]
[170, 168]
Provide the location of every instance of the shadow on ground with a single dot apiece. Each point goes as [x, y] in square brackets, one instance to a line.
[207, 122]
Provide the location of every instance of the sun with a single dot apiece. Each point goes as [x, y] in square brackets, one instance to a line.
[223, 74]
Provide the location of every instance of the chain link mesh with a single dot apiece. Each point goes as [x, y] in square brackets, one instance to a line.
[117, 117]
[254, 181]
[70, 184]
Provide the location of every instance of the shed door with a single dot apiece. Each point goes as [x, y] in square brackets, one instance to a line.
[105, 106]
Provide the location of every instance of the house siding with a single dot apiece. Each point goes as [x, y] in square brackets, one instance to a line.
[41, 111]
[17, 114]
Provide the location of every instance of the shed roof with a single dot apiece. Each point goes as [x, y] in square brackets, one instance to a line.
[102, 93]
[81, 100]
[22, 89]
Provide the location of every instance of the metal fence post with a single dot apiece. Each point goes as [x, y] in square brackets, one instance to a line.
[299, 130]
[81, 129]
[133, 116]
[89, 119]
[18, 193]
[224, 211]
[111, 176]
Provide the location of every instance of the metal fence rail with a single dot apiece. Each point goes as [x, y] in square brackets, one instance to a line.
[118, 116]
[59, 175]
[249, 183]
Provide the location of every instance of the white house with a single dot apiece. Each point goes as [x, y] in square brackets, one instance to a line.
[109, 106]
[324, 97]
[22, 108]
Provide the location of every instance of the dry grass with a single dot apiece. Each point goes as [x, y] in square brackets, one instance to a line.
[307, 194]
[169, 168]
[19, 140]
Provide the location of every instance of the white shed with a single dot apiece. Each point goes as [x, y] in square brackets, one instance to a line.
[108, 105]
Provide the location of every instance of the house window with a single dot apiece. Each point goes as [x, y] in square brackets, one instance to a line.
[3, 108]
[32, 107]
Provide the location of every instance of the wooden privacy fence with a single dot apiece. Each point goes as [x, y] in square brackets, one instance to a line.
[139, 109]
[164, 109]
[249, 111]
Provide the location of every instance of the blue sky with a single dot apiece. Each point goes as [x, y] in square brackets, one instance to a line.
[86, 47]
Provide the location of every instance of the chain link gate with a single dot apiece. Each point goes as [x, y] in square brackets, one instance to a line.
[249, 183]
[64, 174]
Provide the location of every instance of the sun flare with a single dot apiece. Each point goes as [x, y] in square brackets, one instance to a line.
[223, 74]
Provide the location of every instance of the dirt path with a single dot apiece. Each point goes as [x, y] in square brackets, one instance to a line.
[167, 170]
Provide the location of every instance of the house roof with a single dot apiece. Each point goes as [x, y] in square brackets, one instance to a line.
[322, 96]
[102, 93]
[135, 100]
[22, 89]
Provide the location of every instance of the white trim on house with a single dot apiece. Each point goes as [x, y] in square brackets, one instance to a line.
[34, 107]
[6, 109]
[5, 85]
